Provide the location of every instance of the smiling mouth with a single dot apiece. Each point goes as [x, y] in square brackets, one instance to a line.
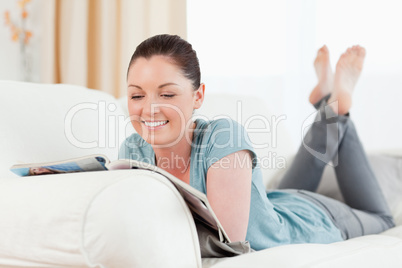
[155, 123]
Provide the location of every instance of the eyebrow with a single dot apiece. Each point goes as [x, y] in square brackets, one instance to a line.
[161, 86]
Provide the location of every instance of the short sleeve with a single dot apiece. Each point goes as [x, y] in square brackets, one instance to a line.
[226, 136]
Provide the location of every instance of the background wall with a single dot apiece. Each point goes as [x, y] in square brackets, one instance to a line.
[266, 48]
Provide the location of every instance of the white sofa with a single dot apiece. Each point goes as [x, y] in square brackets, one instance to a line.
[126, 219]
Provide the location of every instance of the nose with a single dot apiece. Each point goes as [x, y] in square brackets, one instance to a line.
[151, 107]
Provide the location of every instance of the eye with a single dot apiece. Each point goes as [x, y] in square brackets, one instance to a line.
[137, 97]
[167, 96]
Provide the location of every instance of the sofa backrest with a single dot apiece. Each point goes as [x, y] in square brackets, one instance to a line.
[51, 122]
[267, 130]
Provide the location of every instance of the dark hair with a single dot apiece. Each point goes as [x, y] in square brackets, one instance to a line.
[177, 49]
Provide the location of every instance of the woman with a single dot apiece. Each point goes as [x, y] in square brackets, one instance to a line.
[164, 89]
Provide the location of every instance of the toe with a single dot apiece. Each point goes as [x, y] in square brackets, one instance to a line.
[345, 55]
[323, 50]
[342, 60]
[361, 52]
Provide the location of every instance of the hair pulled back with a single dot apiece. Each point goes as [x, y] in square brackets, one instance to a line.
[180, 52]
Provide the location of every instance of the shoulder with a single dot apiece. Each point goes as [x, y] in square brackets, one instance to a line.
[221, 122]
[221, 130]
[219, 138]
[221, 125]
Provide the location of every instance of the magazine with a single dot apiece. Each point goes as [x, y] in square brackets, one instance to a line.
[196, 200]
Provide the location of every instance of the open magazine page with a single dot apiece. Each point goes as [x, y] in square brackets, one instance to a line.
[196, 200]
[87, 163]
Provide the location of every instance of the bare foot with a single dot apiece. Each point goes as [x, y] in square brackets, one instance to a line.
[325, 76]
[347, 73]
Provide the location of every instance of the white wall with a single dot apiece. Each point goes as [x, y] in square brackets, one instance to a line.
[267, 48]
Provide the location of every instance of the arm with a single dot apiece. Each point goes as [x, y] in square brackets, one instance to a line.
[229, 192]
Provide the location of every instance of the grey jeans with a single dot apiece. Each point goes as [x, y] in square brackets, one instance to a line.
[333, 139]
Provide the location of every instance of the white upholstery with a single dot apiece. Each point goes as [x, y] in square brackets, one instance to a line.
[94, 218]
[118, 219]
[47, 122]
[368, 251]
[151, 228]
[267, 131]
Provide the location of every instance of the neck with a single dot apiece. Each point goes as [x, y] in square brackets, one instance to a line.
[176, 159]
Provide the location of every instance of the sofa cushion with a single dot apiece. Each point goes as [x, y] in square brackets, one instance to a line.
[366, 251]
[51, 122]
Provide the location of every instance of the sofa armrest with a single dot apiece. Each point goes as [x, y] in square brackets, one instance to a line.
[125, 218]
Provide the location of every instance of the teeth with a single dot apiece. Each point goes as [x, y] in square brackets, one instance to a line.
[155, 124]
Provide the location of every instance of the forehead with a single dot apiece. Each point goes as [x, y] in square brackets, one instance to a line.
[155, 65]
[155, 71]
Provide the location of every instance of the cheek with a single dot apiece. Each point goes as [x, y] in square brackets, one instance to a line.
[187, 112]
[134, 112]
[177, 115]
[131, 106]
[138, 127]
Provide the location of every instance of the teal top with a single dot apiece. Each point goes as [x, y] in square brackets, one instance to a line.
[276, 218]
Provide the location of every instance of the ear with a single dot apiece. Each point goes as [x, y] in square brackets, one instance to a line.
[199, 96]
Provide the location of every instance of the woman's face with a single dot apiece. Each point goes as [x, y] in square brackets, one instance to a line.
[40, 171]
[161, 100]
